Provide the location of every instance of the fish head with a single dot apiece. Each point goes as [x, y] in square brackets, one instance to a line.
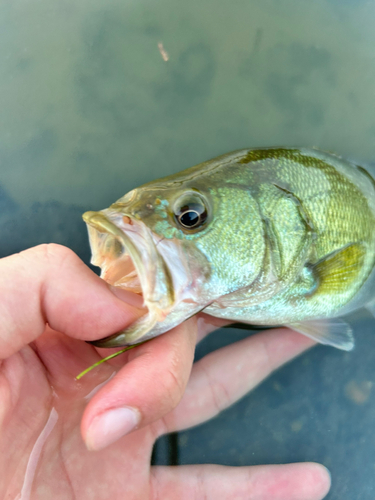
[180, 243]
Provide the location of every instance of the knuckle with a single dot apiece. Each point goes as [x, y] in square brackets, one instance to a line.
[172, 385]
[220, 396]
[48, 255]
[219, 392]
[54, 252]
[175, 375]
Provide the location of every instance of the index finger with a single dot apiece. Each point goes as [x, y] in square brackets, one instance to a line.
[50, 284]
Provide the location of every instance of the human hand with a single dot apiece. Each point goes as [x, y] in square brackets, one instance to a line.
[50, 302]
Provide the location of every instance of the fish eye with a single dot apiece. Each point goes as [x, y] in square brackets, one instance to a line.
[190, 212]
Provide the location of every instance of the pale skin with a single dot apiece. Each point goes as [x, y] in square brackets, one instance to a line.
[50, 303]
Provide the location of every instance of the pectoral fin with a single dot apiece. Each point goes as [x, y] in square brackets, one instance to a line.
[335, 332]
[338, 271]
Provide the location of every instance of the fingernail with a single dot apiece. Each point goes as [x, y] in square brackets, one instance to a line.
[133, 299]
[110, 426]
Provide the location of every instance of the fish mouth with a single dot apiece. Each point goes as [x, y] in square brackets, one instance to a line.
[125, 251]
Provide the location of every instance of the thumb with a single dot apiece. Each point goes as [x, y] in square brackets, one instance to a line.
[50, 284]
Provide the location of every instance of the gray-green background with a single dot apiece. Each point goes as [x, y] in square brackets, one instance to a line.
[89, 109]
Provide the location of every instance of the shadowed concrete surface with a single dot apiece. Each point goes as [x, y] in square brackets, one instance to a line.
[91, 108]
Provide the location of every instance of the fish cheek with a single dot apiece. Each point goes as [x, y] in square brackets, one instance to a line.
[164, 229]
[234, 243]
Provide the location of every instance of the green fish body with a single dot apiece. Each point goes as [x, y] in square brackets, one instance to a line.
[270, 236]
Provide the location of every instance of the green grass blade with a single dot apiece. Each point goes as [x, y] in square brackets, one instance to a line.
[107, 358]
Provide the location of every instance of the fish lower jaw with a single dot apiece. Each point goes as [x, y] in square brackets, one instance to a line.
[133, 334]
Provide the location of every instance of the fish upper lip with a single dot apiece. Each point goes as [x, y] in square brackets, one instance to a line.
[150, 267]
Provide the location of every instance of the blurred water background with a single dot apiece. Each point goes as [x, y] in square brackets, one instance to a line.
[97, 97]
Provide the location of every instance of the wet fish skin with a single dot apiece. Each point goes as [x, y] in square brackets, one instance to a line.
[288, 237]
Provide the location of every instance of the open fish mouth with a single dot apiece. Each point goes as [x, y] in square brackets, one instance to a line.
[125, 251]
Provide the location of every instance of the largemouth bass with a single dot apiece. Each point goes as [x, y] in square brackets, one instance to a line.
[270, 236]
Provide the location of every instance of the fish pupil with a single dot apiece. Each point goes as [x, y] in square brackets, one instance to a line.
[190, 213]
[190, 218]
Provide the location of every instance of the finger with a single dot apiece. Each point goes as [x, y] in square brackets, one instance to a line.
[207, 324]
[224, 376]
[150, 385]
[307, 481]
[50, 284]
